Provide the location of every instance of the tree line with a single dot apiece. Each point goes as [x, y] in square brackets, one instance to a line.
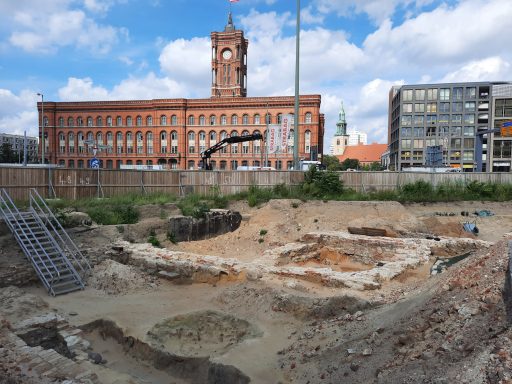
[332, 163]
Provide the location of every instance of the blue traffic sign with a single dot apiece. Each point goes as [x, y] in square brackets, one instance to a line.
[95, 163]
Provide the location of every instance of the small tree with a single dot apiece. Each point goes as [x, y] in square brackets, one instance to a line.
[332, 163]
[7, 155]
[350, 164]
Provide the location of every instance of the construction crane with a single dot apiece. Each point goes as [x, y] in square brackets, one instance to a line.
[207, 154]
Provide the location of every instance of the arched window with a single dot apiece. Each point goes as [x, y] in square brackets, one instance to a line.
[223, 120]
[99, 138]
[163, 120]
[202, 141]
[119, 121]
[119, 142]
[307, 141]
[191, 142]
[245, 119]
[149, 121]
[234, 120]
[222, 136]
[129, 121]
[279, 118]
[140, 142]
[79, 122]
[191, 120]
[163, 142]
[71, 142]
[110, 141]
[99, 121]
[212, 120]
[234, 147]
[256, 144]
[129, 142]
[109, 121]
[245, 144]
[45, 121]
[174, 120]
[62, 142]
[139, 121]
[149, 143]
[256, 119]
[268, 118]
[307, 118]
[70, 122]
[61, 121]
[81, 144]
[202, 120]
[291, 140]
[89, 121]
[174, 142]
[213, 137]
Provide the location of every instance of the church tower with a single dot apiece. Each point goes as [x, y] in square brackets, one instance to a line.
[340, 139]
[229, 62]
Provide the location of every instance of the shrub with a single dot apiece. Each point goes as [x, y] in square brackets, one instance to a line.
[172, 237]
[263, 232]
[322, 184]
[152, 239]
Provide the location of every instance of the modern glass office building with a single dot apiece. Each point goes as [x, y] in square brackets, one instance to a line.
[458, 117]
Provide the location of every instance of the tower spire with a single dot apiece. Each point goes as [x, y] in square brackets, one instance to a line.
[230, 27]
[341, 125]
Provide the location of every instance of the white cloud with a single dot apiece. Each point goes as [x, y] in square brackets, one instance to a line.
[46, 26]
[18, 112]
[490, 69]
[188, 62]
[377, 10]
[133, 88]
[445, 36]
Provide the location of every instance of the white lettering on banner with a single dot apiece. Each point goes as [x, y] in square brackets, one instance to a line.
[285, 131]
[273, 138]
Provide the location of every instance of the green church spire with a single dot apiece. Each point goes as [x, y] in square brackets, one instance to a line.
[341, 125]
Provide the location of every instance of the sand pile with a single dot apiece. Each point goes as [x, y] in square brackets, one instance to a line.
[114, 278]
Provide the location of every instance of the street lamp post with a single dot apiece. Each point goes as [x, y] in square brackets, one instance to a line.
[296, 118]
[42, 127]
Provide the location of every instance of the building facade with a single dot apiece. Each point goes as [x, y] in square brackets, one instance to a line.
[173, 132]
[458, 117]
[17, 146]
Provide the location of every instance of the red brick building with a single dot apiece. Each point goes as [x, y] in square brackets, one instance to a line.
[174, 132]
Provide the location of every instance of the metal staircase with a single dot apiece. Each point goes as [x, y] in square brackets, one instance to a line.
[58, 262]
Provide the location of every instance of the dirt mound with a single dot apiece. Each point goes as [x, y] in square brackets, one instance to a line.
[114, 278]
[15, 304]
[203, 333]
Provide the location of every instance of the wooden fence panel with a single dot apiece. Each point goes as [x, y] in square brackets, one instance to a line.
[83, 183]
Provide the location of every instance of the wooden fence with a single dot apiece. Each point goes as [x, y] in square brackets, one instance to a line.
[84, 183]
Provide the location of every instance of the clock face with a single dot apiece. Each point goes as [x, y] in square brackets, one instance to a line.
[226, 54]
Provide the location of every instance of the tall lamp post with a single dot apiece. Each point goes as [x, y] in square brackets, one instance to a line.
[42, 127]
[296, 117]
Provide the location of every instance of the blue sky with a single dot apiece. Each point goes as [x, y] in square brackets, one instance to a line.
[351, 50]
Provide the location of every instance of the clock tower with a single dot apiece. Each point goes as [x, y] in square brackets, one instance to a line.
[229, 62]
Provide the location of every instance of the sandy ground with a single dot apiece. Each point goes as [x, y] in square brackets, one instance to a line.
[297, 345]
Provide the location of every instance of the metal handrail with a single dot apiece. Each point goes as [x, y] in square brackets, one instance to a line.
[5, 200]
[65, 240]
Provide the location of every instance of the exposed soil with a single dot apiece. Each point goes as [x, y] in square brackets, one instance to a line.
[273, 327]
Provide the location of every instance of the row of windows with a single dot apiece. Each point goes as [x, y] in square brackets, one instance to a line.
[445, 94]
[201, 120]
[434, 131]
[451, 156]
[451, 143]
[140, 144]
[468, 118]
[468, 106]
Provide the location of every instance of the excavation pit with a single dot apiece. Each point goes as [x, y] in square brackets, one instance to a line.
[203, 333]
[131, 358]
